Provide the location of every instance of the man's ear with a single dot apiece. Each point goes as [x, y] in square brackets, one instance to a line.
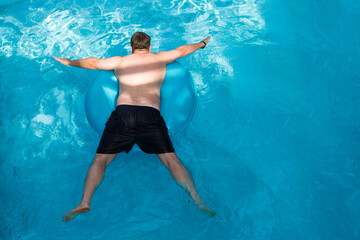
[131, 49]
[150, 48]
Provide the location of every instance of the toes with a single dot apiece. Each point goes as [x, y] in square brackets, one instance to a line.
[69, 216]
[207, 211]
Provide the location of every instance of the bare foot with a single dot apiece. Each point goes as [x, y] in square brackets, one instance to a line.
[83, 207]
[202, 207]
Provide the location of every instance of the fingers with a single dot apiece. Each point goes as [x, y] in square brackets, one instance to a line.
[64, 61]
[57, 59]
[207, 39]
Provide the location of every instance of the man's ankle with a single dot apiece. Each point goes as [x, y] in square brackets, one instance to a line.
[84, 203]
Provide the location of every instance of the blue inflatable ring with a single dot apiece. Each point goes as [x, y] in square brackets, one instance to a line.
[178, 98]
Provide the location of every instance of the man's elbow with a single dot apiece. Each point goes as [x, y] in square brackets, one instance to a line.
[95, 63]
[181, 52]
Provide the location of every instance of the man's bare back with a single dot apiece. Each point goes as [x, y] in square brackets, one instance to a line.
[140, 78]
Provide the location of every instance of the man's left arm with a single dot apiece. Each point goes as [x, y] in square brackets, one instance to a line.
[92, 63]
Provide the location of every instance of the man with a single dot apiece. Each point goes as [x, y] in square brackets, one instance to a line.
[136, 118]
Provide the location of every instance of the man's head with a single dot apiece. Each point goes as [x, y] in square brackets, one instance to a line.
[140, 41]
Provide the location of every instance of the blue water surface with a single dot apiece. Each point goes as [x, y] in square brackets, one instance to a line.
[273, 146]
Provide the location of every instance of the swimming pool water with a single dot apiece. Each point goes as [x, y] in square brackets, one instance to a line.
[273, 146]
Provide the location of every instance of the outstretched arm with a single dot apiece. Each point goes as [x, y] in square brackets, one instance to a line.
[182, 51]
[92, 63]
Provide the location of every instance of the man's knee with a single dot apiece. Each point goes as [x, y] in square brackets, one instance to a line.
[170, 160]
[103, 158]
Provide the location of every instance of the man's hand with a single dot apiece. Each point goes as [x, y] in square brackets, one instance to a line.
[64, 61]
[207, 40]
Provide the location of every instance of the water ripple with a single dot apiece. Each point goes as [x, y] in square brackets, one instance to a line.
[93, 30]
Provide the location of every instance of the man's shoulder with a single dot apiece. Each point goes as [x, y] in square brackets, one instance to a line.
[169, 56]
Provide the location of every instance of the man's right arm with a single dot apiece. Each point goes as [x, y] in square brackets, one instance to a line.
[92, 63]
[182, 51]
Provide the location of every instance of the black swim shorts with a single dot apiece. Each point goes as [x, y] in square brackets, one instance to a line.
[130, 124]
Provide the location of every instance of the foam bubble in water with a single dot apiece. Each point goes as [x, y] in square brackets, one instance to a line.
[43, 118]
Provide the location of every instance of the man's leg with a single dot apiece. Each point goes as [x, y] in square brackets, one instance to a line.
[183, 178]
[93, 178]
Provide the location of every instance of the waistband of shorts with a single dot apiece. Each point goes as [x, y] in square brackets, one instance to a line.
[137, 106]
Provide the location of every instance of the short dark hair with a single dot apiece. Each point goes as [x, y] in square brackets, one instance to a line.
[140, 40]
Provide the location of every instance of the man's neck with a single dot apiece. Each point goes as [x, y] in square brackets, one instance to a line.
[140, 51]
